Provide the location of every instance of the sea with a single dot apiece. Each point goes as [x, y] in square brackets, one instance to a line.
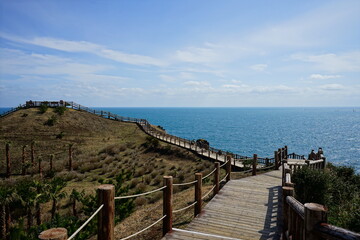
[246, 131]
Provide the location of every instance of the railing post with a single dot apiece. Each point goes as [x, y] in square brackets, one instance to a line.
[314, 214]
[285, 152]
[228, 168]
[217, 178]
[280, 156]
[167, 204]
[198, 200]
[254, 165]
[276, 156]
[286, 191]
[54, 234]
[106, 216]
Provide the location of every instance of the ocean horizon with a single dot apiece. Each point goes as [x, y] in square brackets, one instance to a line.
[261, 130]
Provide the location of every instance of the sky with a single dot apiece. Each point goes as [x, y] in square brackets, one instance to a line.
[181, 53]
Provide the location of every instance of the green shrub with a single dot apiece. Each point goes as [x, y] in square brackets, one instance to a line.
[51, 121]
[60, 110]
[338, 188]
[151, 143]
[43, 108]
[60, 135]
[311, 185]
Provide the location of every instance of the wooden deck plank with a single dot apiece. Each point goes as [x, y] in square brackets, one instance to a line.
[248, 208]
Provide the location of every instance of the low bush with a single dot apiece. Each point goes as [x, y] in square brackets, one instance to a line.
[43, 108]
[338, 188]
[51, 121]
[60, 110]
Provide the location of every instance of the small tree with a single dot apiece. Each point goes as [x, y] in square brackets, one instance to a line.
[76, 196]
[23, 167]
[32, 152]
[7, 196]
[56, 193]
[43, 108]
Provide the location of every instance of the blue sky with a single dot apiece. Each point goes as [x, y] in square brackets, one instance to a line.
[164, 53]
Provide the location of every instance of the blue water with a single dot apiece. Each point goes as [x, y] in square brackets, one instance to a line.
[263, 130]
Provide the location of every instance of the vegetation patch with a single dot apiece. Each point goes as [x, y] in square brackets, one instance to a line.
[337, 187]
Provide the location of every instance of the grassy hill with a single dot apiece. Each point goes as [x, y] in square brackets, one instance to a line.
[102, 150]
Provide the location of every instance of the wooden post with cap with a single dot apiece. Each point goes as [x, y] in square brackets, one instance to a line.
[54, 234]
[217, 178]
[228, 168]
[198, 200]
[254, 163]
[167, 204]
[106, 216]
[314, 214]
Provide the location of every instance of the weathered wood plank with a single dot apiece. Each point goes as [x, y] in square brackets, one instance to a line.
[248, 208]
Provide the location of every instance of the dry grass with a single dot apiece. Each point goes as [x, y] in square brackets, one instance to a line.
[102, 149]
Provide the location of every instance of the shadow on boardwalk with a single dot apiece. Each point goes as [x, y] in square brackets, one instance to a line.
[273, 221]
[248, 208]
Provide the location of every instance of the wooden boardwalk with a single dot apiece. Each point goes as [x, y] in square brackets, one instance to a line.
[248, 208]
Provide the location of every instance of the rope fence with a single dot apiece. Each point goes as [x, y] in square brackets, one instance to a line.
[85, 223]
[140, 194]
[207, 194]
[209, 174]
[143, 230]
[184, 208]
[106, 192]
[224, 179]
[184, 184]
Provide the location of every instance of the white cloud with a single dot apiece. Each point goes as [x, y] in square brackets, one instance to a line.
[186, 75]
[312, 28]
[259, 67]
[167, 78]
[332, 87]
[87, 47]
[197, 83]
[331, 62]
[321, 76]
[45, 66]
[197, 55]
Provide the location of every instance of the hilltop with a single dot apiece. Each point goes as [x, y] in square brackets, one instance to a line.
[101, 148]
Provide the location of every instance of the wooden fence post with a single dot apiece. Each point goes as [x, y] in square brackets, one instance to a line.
[217, 178]
[280, 156]
[314, 214]
[40, 167]
[32, 152]
[286, 191]
[276, 156]
[106, 216]
[228, 168]
[254, 163]
[23, 169]
[198, 200]
[167, 204]
[8, 161]
[54, 234]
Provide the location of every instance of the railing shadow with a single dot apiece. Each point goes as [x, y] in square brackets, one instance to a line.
[273, 221]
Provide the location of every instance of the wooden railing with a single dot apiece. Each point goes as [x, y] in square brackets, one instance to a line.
[106, 197]
[306, 221]
[210, 152]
